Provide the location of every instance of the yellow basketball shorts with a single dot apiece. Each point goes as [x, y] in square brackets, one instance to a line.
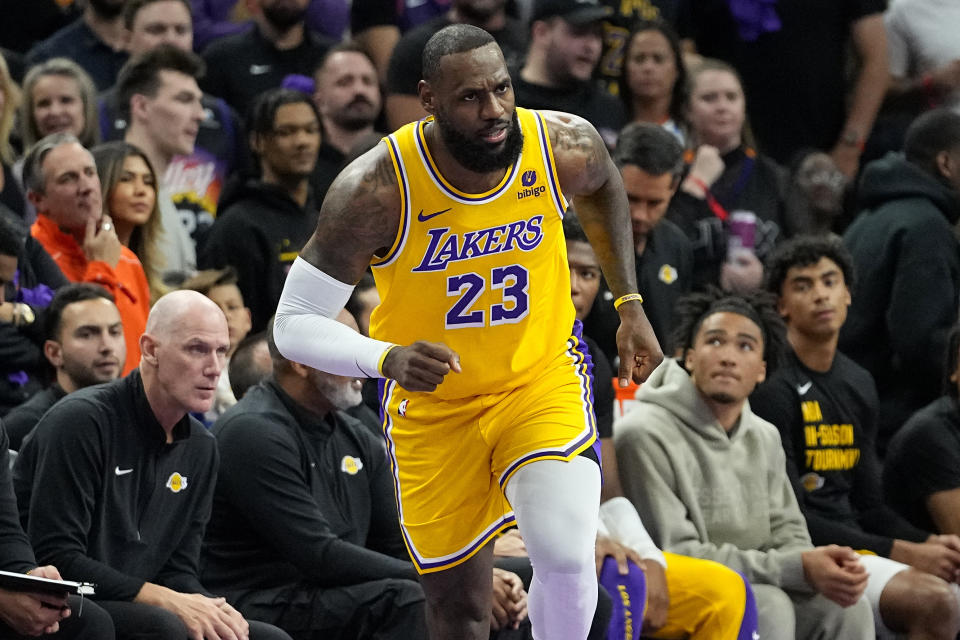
[451, 459]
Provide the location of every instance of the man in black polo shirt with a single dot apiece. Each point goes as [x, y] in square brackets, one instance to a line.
[95, 41]
[650, 161]
[85, 346]
[242, 66]
[115, 484]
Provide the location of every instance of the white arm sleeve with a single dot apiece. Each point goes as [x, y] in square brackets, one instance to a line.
[305, 330]
[623, 524]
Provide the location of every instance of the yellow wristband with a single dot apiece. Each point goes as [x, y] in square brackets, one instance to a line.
[384, 357]
[627, 298]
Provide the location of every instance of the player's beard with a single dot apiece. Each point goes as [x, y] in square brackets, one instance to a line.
[476, 155]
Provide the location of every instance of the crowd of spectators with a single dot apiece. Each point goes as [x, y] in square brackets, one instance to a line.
[793, 174]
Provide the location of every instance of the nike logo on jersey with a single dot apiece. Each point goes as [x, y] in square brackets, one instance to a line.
[424, 218]
[122, 472]
[803, 388]
[259, 69]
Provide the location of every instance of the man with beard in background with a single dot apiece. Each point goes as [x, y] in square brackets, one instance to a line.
[95, 41]
[347, 95]
[460, 216]
[242, 66]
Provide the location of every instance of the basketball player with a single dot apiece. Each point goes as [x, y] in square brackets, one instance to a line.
[485, 392]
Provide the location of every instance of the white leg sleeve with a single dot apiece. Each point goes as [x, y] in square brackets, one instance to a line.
[557, 505]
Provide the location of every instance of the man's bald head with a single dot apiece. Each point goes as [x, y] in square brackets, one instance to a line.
[182, 353]
[169, 312]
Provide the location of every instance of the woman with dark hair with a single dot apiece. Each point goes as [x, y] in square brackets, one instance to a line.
[129, 186]
[731, 202]
[653, 78]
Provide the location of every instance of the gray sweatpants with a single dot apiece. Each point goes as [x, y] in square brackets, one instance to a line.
[785, 616]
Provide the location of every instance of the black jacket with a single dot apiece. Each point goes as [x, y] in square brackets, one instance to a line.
[105, 499]
[259, 230]
[299, 500]
[908, 285]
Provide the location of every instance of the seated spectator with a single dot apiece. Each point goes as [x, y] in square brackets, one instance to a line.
[62, 183]
[263, 224]
[675, 584]
[304, 531]
[129, 187]
[84, 345]
[158, 92]
[815, 201]
[651, 163]
[116, 482]
[793, 57]
[192, 180]
[242, 66]
[95, 41]
[921, 474]
[566, 38]
[28, 277]
[58, 97]
[250, 364]
[652, 81]
[825, 407]
[406, 65]
[11, 195]
[908, 263]
[348, 99]
[728, 181]
[25, 614]
[220, 285]
[707, 476]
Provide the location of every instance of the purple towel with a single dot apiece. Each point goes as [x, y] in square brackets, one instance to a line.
[755, 17]
[629, 595]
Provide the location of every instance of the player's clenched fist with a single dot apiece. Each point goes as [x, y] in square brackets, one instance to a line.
[420, 366]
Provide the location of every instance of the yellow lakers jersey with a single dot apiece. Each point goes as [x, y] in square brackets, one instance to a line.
[484, 273]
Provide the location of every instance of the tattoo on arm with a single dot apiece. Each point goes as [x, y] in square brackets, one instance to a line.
[359, 218]
[581, 156]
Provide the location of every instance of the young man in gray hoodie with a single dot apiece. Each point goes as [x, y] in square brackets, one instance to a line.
[708, 479]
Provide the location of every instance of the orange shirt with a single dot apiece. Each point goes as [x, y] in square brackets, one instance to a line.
[127, 283]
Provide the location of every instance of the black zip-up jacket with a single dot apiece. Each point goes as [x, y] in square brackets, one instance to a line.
[299, 500]
[908, 285]
[106, 499]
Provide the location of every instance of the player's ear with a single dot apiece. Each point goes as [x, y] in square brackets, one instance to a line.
[427, 97]
[53, 352]
[301, 371]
